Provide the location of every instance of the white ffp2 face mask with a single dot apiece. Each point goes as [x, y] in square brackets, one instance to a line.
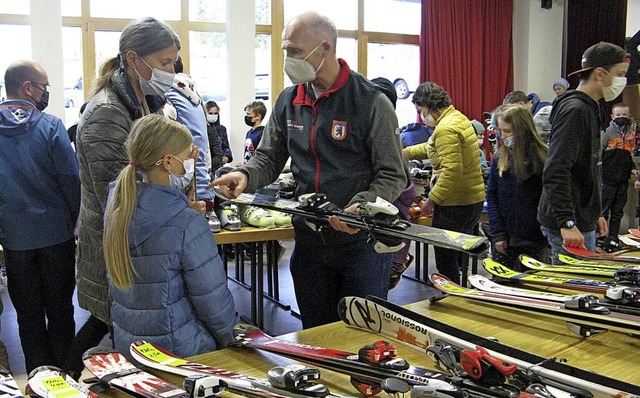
[300, 70]
[615, 89]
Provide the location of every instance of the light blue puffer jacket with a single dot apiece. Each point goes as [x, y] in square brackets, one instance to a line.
[179, 298]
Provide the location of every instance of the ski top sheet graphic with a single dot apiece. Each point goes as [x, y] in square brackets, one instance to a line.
[536, 265]
[593, 317]
[585, 285]
[112, 368]
[8, 386]
[380, 223]
[589, 255]
[420, 331]
[572, 261]
[152, 355]
[49, 381]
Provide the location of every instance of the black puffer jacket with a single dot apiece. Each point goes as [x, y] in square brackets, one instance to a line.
[102, 132]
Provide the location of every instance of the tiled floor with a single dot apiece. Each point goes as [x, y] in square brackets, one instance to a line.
[277, 321]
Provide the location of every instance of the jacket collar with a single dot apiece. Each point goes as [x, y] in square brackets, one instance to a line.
[303, 96]
[122, 86]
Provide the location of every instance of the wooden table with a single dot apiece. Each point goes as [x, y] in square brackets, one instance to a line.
[254, 238]
[611, 354]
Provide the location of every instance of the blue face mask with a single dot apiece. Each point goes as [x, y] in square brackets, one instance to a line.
[183, 181]
[508, 142]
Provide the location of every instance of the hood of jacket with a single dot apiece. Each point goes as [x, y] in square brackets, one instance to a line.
[17, 117]
[156, 205]
[185, 85]
[571, 96]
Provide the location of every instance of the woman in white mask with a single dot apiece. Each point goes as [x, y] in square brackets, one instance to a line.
[515, 186]
[167, 280]
[129, 86]
[457, 192]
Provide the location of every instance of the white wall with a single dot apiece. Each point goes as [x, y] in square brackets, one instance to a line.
[241, 40]
[537, 46]
[633, 17]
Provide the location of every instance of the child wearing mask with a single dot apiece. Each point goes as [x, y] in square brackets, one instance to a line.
[167, 282]
[254, 115]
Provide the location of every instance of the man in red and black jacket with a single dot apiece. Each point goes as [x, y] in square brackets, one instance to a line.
[340, 131]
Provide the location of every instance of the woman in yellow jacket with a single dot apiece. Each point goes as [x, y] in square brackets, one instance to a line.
[457, 189]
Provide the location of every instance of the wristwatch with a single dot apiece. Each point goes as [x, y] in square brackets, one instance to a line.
[568, 224]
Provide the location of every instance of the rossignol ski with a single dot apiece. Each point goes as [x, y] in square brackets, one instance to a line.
[421, 332]
[569, 260]
[8, 386]
[592, 270]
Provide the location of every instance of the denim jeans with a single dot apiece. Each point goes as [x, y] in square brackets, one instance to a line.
[41, 283]
[556, 241]
[460, 219]
[322, 275]
[614, 199]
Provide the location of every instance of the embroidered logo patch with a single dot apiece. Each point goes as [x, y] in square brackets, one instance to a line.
[339, 130]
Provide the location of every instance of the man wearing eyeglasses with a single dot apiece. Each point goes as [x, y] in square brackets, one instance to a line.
[39, 207]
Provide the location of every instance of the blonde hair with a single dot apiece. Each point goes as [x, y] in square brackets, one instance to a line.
[151, 138]
[529, 152]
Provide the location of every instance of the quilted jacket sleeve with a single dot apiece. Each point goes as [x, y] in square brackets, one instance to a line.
[450, 168]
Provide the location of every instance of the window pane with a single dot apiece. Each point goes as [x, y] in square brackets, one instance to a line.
[71, 8]
[393, 16]
[18, 49]
[208, 10]
[168, 10]
[400, 64]
[342, 12]
[263, 12]
[208, 58]
[72, 58]
[263, 69]
[107, 44]
[15, 7]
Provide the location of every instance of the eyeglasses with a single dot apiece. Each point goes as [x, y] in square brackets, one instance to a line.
[46, 85]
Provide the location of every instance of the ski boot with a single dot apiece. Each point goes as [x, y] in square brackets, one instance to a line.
[397, 269]
[214, 222]
[281, 219]
[257, 217]
[227, 213]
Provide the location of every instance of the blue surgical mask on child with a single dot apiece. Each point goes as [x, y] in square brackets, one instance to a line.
[508, 142]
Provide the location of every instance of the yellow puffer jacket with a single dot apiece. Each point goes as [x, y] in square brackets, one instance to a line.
[455, 156]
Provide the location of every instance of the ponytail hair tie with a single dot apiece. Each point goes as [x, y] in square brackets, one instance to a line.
[133, 164]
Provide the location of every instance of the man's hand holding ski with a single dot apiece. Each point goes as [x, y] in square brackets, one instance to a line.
[230, 185]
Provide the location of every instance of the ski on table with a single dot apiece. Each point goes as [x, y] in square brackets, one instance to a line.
[371, 366]
[629, 241]
[153, 356]
[485, 284]
[8, 386]
[421, 332]
[584, 285]
[536, 265]
[577, 312]
[50, 381]
[589, 255]
[114, 370]
[380, 219]
[635, 232]
[572, 261]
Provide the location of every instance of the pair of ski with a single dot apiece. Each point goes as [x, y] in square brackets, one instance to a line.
[379, 219]
[584, 314]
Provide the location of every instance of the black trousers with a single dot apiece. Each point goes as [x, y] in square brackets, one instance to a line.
[40, 284]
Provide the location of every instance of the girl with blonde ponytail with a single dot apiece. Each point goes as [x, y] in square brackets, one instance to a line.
[167, 281]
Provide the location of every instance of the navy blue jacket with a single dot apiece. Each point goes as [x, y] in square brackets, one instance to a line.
[39, 183]
[513, 207]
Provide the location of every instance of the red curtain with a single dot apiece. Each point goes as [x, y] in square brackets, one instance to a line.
[465, 47]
